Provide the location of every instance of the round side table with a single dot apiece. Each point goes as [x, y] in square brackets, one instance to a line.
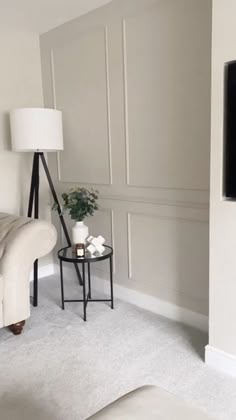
[68, 255]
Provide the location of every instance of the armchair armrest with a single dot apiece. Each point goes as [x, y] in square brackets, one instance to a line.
[28, 243]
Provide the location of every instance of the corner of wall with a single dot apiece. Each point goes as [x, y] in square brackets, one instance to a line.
[220, 360]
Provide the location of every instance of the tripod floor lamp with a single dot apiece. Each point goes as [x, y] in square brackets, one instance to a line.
[39, 130]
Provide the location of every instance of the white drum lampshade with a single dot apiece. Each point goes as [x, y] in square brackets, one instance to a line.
[36, 129]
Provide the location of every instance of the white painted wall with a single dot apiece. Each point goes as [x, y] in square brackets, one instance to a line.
[133, 82]
[20, 86]
[222, 213]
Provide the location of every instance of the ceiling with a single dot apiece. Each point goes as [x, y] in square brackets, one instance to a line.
[40, 16]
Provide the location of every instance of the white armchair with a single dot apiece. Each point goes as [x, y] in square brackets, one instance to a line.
[22, 241]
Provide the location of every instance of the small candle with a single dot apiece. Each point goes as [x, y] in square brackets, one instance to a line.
[80, 250]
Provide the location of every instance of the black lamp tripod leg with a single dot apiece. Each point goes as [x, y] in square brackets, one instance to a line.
[45, 166]
[36, 215]
[34, 201]
[36, 187]
[32, 187]
[59, 210]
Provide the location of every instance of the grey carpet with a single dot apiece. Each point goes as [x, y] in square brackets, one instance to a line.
[61, 368]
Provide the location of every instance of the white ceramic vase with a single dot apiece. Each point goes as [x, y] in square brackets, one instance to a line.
[79, 233]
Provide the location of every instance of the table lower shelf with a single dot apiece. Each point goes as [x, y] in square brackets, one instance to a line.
[87, 300]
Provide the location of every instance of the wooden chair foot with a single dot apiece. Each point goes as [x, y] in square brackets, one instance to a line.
[17, 328]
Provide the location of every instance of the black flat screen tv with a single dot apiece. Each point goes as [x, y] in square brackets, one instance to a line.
[230, 131]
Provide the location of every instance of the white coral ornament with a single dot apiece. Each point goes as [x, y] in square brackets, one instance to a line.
[96, 244]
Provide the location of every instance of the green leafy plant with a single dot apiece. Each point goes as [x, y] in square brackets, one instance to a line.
[79, 203]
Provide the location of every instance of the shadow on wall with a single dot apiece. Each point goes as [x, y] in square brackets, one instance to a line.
[5, 142]
[196, 339]
[192, 276]
[15, 170]
[22, 407]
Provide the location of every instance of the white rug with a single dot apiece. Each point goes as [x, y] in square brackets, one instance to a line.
[61, 368]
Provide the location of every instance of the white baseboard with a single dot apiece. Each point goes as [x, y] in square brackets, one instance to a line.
[150, 303]
[44, 271]
[154, 304]
[220, 360]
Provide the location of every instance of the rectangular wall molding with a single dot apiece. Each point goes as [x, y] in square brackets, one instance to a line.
[127, 157]
[108, 103]
[60, 99]
[168, 246]
[155, 120]
[136, 119]
[155, 200]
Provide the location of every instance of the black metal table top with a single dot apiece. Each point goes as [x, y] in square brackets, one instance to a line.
[68, 254]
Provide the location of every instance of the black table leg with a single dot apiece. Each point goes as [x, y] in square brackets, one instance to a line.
[89, 281]
[84, 291]
[111, 281]
[62, 286]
